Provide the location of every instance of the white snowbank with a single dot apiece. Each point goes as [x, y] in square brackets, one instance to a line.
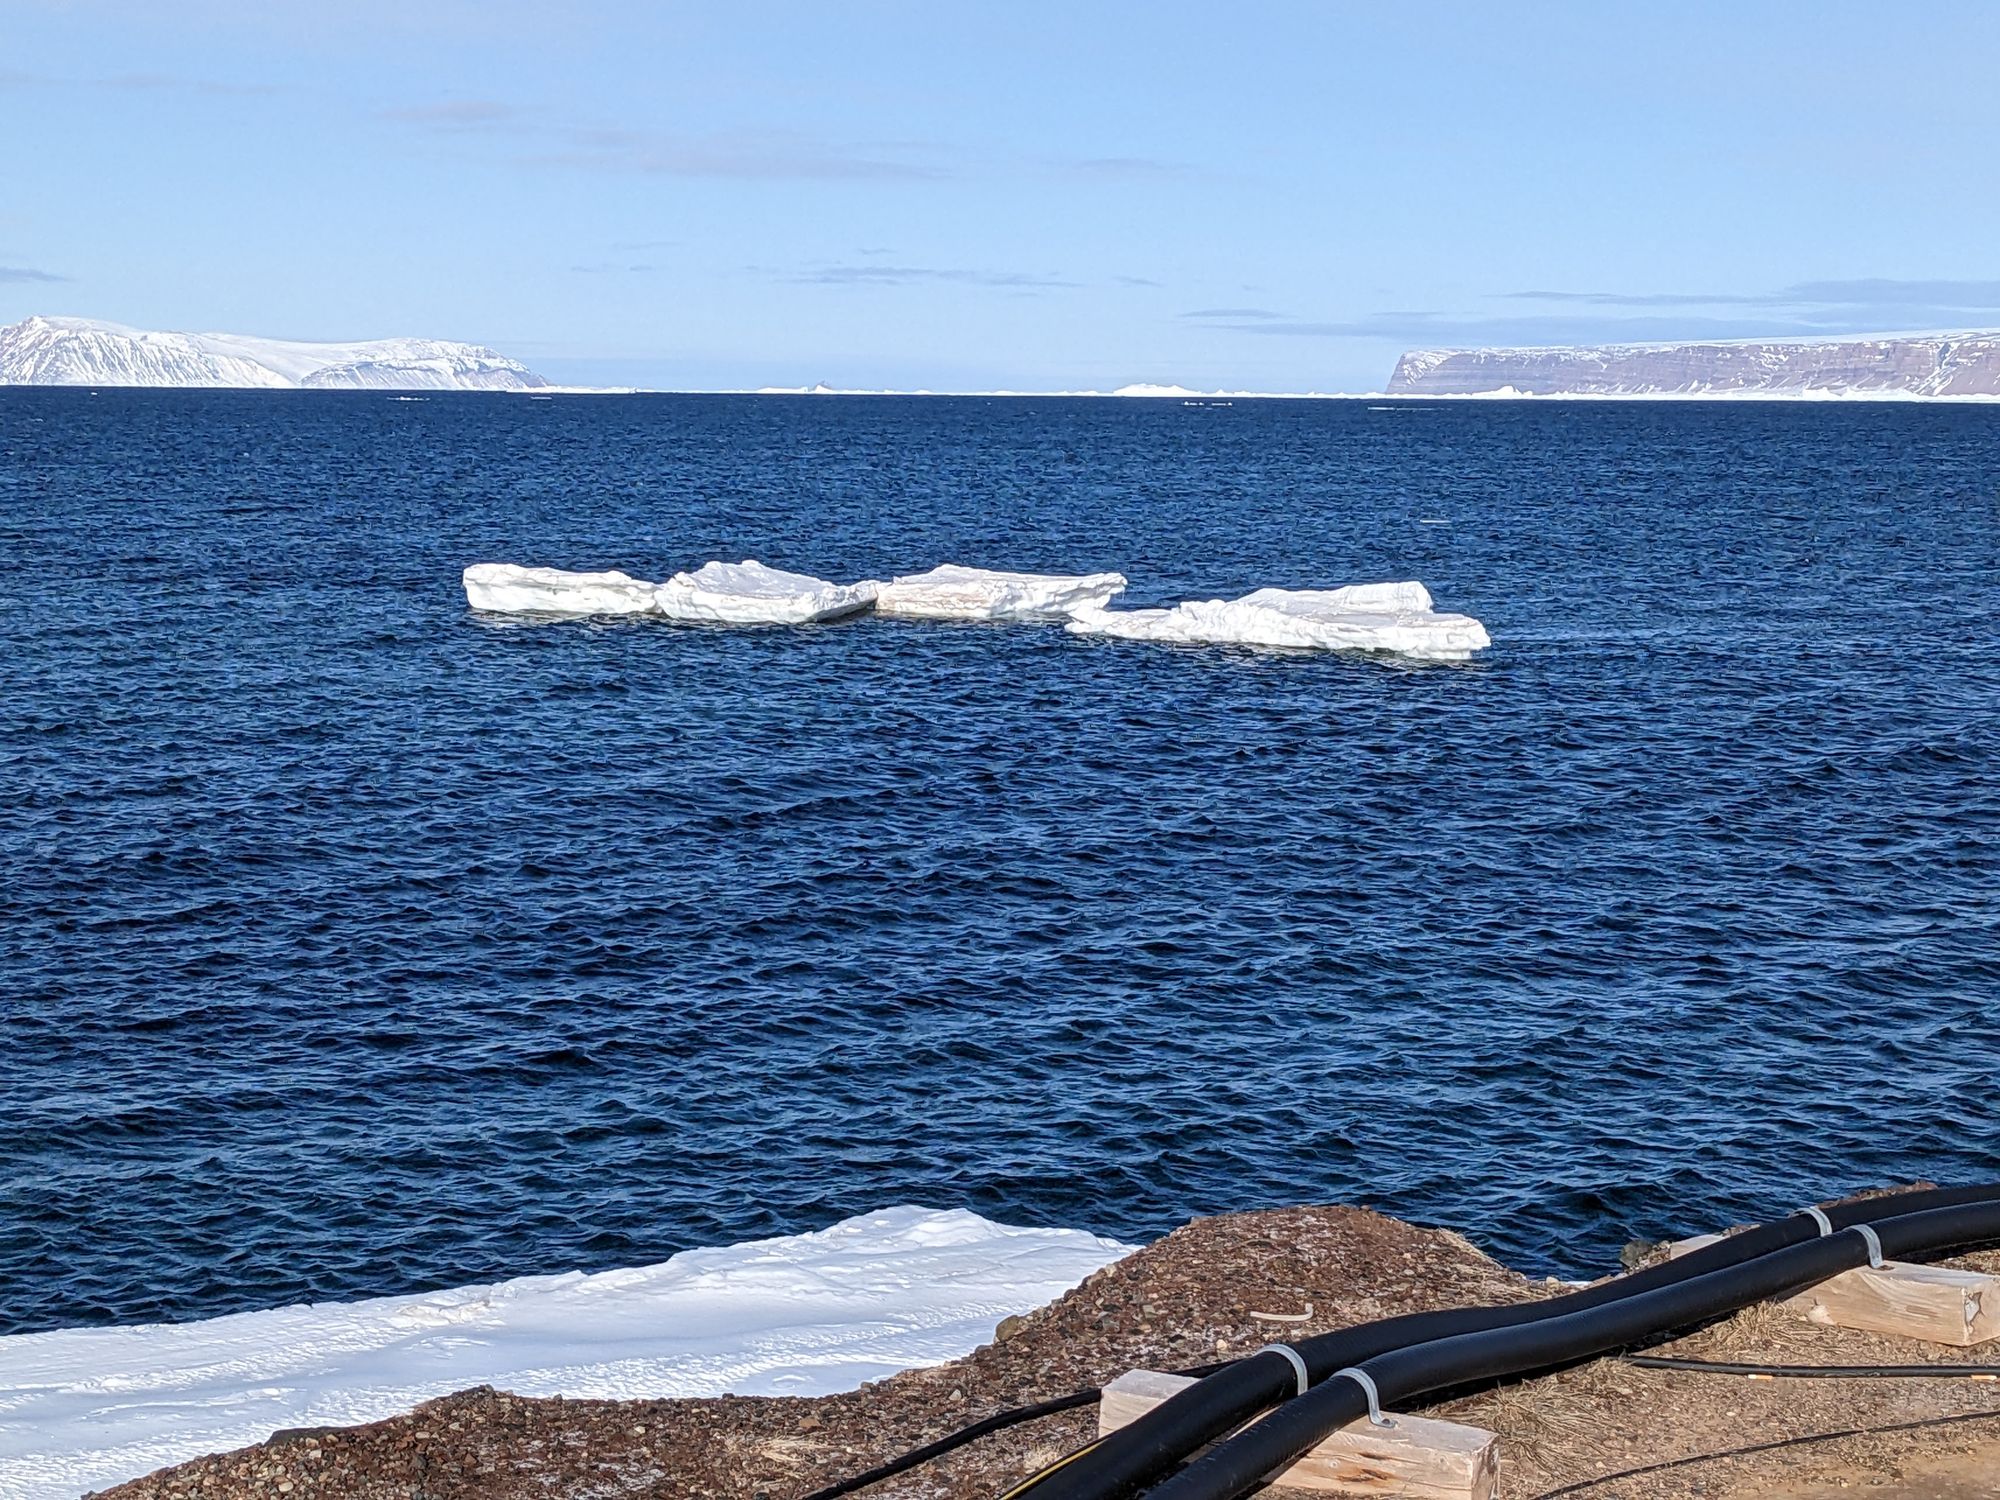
[803, 1315]
[954, 593]
[1361, 617]
[504, 588]
[748, 593]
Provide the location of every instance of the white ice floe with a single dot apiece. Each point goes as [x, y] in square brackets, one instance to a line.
[748, 593]
[803, 1315]
[954, 593]
[1361, 617]
[504, 588]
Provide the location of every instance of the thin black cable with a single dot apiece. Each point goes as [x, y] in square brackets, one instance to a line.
[998, 1422]
[918, 1456]
[1793, 1442]
[1814, 1372]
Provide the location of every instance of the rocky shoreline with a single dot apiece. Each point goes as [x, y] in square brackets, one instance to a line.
[1215, 1288]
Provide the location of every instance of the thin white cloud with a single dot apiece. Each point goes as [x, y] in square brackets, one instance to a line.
[754, 154]
[16, 78]
[872, 275]
[1440, 330]
[456, 114]
[1874, 291]
[768, 153]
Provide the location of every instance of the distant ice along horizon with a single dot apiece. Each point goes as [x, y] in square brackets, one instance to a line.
[87, 351]
[43, 350]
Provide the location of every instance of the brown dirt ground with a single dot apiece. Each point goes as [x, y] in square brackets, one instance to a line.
[1188, 1299]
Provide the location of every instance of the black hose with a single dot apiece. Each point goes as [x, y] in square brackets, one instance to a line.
[1400, 1375]
[1127, 1460]
[1000, 1421]
[1815, 1372]
[916, 1456]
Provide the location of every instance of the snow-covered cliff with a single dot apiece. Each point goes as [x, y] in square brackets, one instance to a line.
[1958, 364]
[82, 351]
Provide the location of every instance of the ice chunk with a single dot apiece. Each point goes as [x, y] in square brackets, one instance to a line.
[506, 589]
[953, 593]
[1361, 617]
[748, 593]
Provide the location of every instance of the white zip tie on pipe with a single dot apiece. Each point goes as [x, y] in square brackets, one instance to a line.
[1367, 1383]
[1819, 1217]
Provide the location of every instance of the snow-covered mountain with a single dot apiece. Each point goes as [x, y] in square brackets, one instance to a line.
[1949, 364]
[82, 351]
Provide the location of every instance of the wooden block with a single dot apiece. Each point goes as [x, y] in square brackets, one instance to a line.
[1699, 1242]
[1933, 1303]
[1419, 1457]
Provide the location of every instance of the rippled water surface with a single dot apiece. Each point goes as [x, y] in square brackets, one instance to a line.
[350, 943]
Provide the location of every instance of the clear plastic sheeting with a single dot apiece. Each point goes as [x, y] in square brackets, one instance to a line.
[749, 593]
[955, 593]
[503, 588]
[1396, 617]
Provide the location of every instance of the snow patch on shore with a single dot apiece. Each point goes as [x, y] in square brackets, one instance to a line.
[803, 1315]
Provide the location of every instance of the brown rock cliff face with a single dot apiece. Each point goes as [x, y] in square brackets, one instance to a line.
[1937, 365]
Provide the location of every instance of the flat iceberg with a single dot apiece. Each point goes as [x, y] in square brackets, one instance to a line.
[954, 593]
[503, 588]
[748, 593]
[1394, 617]
[805, 1315]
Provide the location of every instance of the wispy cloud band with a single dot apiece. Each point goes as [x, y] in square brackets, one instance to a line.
[910, 275]
[1806, 309]
[1873, 291]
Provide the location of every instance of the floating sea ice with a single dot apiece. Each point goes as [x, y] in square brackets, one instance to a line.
[748, 593]
[953, 593]
[506, 589]
[1361, 617]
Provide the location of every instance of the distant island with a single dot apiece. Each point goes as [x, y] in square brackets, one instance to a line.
[1949, 364]
[83, 351]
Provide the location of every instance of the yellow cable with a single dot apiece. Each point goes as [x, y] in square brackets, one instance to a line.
[1034, 1479]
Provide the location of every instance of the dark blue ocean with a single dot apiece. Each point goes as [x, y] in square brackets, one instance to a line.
[352, 944]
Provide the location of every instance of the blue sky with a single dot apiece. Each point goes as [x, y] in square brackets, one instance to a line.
[1035, 196]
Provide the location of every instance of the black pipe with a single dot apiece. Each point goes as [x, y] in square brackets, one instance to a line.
[1400, 1375]
[1125, 1461]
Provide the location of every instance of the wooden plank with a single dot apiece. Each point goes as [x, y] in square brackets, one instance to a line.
[1934, 1303]
[1420, 1457]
